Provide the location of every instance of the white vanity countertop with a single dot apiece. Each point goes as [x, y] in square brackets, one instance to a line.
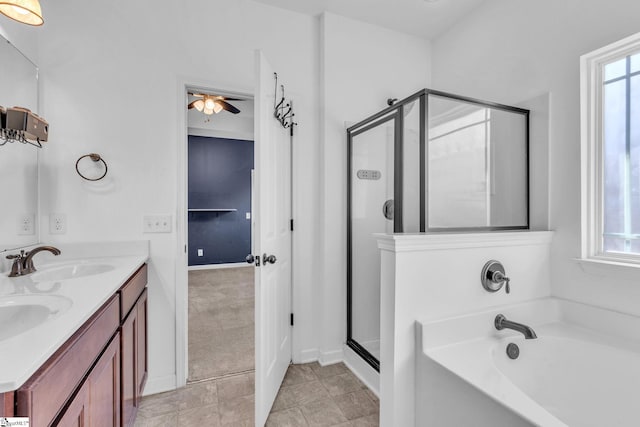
[24, 353]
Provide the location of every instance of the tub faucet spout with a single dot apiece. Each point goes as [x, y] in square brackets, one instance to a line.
[501, 322]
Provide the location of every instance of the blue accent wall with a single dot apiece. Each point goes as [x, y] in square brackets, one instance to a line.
[219, 178]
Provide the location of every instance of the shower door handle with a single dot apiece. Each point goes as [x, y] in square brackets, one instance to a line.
[268, 259]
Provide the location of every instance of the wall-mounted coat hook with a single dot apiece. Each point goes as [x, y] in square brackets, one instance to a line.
[283, 110]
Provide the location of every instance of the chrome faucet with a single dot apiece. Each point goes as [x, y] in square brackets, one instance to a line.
[501, 322]
[23, 262]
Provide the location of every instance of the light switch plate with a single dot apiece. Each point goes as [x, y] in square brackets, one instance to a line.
[156, 224]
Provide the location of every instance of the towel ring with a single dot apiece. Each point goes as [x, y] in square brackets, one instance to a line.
[96, 158]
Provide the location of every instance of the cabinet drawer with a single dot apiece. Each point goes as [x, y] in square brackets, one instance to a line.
[46, 392]
[130, 291]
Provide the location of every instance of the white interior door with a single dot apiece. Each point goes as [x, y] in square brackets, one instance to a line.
[272, 215]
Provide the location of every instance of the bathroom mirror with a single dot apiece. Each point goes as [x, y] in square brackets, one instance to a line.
[18, 162]
[477, 165]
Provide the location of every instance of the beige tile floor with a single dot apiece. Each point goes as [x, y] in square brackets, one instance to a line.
[221, 322]
[311, 395]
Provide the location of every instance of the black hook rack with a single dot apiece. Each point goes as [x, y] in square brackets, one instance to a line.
[12, 135]
[283, 109]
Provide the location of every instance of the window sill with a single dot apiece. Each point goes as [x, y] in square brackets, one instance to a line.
[609, 267]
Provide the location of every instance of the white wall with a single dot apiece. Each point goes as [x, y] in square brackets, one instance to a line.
[110, 76]
[509, 51]
[438, 275]
[361, 66]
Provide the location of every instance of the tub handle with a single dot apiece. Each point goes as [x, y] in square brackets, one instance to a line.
[493, 277]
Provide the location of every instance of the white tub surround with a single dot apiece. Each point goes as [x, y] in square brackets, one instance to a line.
[582, 370]
[70, 288]
[438, 275]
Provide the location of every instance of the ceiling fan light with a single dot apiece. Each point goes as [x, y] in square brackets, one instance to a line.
[25, 11]
[208, 111]
[217, 107]
[199, 104]
[209, 103]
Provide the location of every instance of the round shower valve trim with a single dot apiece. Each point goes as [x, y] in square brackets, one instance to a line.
[493, 277]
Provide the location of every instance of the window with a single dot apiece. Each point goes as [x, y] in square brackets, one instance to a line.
[611, 152]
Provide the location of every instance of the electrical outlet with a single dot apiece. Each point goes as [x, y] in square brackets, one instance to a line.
[156, 224]
[248, 215]
[200, 252]
[26, 224]
[57, 223]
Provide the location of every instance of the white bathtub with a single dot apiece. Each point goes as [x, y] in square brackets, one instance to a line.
[582, 370]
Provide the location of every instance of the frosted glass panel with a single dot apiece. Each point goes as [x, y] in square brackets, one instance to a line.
[372, 188]
[615, 69]
[476, 166]
[635, 63]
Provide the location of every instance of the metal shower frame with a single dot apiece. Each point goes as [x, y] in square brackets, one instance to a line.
[395, 112]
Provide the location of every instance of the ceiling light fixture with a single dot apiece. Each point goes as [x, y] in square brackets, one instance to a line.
[199, 104]
[211, 104]
[25, 11]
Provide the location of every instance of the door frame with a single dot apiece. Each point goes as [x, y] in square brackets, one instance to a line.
[182, 235]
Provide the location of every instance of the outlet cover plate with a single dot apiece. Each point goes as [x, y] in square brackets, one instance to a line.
[57, 223]
[26, 224]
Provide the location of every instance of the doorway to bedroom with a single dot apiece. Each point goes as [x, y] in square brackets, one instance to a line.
[220, 282]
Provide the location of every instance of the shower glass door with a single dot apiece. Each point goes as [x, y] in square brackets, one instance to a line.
[384, 153]
[372, 210]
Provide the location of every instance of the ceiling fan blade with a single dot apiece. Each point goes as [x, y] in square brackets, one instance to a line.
[197, 95]
[224, 98]
[230, 108]
[191, 105]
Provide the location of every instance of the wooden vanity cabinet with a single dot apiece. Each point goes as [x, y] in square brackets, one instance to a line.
[133, 335]
[47, 392]
[6, 404]
[97, 376]
[97, 403]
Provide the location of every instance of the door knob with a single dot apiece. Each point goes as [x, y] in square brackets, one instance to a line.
[268, 259]
[250, 259]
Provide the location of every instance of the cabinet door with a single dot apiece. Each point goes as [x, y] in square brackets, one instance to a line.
[77, 413]
[6, 404]
[97, 403]
[129, 341]
[104, 388]
[141, 345]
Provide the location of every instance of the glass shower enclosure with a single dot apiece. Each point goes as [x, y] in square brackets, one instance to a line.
[432, 162]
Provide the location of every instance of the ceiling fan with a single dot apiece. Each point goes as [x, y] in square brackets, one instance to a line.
[210, 104]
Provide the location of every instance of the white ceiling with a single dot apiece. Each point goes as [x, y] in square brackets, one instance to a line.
[422, 18]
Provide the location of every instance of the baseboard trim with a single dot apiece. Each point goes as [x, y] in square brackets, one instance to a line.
[306, 356]
[330, 357]
[361, 369]
[160, 385]
[218, 266]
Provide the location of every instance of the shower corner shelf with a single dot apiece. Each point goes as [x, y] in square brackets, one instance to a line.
[212, 210]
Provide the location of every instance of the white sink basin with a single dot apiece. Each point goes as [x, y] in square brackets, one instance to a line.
[19, 313]
[70, 271]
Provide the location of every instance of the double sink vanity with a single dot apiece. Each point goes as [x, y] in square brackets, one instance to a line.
[73, 336]
[73, 348]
